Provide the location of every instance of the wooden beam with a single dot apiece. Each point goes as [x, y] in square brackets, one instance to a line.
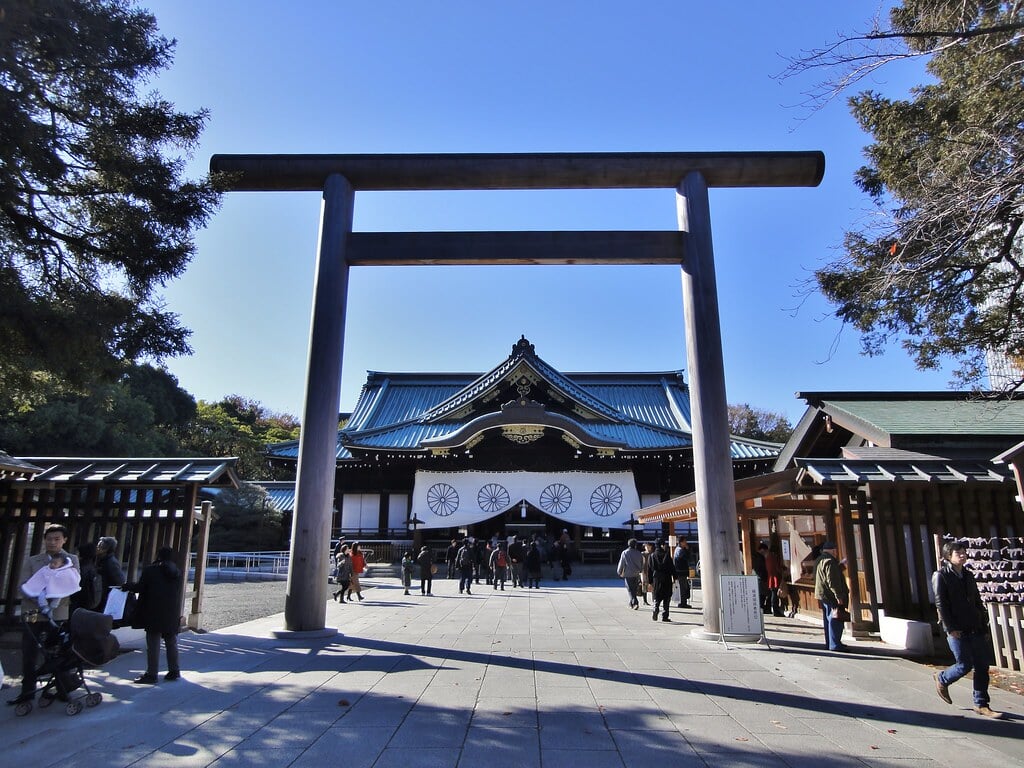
[475, 248]
[561, 170]
[790, 506]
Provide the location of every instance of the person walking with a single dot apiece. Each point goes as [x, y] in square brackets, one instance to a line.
[464, 561]
[425, 560]
[965, 622]
[358, 568]
[631, 563]
[343, 574]
[776, 570]
[480, 566]
[449, 557]
[516, 555]
[832, 593]
[681, 561]
[499, 566]
[645, 581]
[759, 565]
[158, 612]
[661, 573]
[407, 565]
[532, 566]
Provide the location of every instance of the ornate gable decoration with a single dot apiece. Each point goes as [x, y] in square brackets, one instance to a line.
[531, 378]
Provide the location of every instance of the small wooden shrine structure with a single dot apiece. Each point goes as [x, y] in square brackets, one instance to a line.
[144, 503]
[887, 475]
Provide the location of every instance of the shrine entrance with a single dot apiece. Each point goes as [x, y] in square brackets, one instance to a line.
[339, 177]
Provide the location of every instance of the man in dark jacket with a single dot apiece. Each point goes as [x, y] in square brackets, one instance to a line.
[449, 558]
[965, 622]
[107, 564]
[681, 561]
[158, 611]
[465, 561]
[517, 564]
[661, 574]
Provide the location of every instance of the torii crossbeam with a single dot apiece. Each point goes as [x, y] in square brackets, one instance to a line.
[339, 177]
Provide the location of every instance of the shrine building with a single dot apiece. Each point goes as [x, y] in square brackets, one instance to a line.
[521, 448]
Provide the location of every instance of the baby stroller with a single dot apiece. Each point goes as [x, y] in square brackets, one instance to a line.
[85, 640]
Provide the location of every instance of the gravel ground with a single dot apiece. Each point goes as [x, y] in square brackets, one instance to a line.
[227, 603]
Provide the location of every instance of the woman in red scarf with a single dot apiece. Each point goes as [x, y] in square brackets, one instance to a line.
[358, 566]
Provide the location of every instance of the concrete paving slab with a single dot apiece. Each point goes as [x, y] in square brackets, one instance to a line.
[547, 677]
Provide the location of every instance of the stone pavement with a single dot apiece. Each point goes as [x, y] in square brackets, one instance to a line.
[562, 676]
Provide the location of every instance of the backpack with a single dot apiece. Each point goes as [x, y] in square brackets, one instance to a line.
[502, 561]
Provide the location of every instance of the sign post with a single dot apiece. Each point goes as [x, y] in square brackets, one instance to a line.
[741, 617]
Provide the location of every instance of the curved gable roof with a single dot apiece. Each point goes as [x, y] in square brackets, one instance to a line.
[414, 412]
[523, 357]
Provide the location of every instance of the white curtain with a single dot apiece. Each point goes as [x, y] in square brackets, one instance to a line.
[798, 552]
[455, 499]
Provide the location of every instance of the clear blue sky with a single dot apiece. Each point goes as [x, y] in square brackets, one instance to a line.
[531, 76]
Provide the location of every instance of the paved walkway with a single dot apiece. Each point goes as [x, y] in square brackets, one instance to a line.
[561, 676]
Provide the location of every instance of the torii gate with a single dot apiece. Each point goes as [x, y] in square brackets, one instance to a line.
[339, 177]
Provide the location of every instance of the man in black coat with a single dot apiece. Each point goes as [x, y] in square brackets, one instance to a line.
[661, 573]
[965, 621]
[681, 561]
[158, 611]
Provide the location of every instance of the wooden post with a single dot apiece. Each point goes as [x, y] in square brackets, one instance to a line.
[712, 455]
[850, 550]
[305, 607]
[204, 518]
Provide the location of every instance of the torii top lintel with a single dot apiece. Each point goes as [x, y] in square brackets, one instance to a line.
[561, 170]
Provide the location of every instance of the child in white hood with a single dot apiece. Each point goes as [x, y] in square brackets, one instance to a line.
[53, 582]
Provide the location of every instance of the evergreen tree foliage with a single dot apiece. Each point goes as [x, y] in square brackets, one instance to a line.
[940, 264]
[95, 215]
[758, 423]
[139, 415]
[245, 522]
[239, 427]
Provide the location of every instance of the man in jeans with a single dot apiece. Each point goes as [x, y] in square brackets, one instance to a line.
[832, 593]
[965, 622]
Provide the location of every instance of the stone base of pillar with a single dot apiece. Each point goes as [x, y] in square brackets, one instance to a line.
[703, 634]
[308, 634]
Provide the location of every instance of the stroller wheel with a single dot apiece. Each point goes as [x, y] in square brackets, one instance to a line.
[73, 707]
[93, 699]
[23, 708]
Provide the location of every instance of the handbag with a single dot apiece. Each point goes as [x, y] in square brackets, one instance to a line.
[117, 601]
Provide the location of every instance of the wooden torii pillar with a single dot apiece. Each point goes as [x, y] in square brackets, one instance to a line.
[339, 177]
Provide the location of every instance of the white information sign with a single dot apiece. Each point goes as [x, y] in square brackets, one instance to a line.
[741, 606]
